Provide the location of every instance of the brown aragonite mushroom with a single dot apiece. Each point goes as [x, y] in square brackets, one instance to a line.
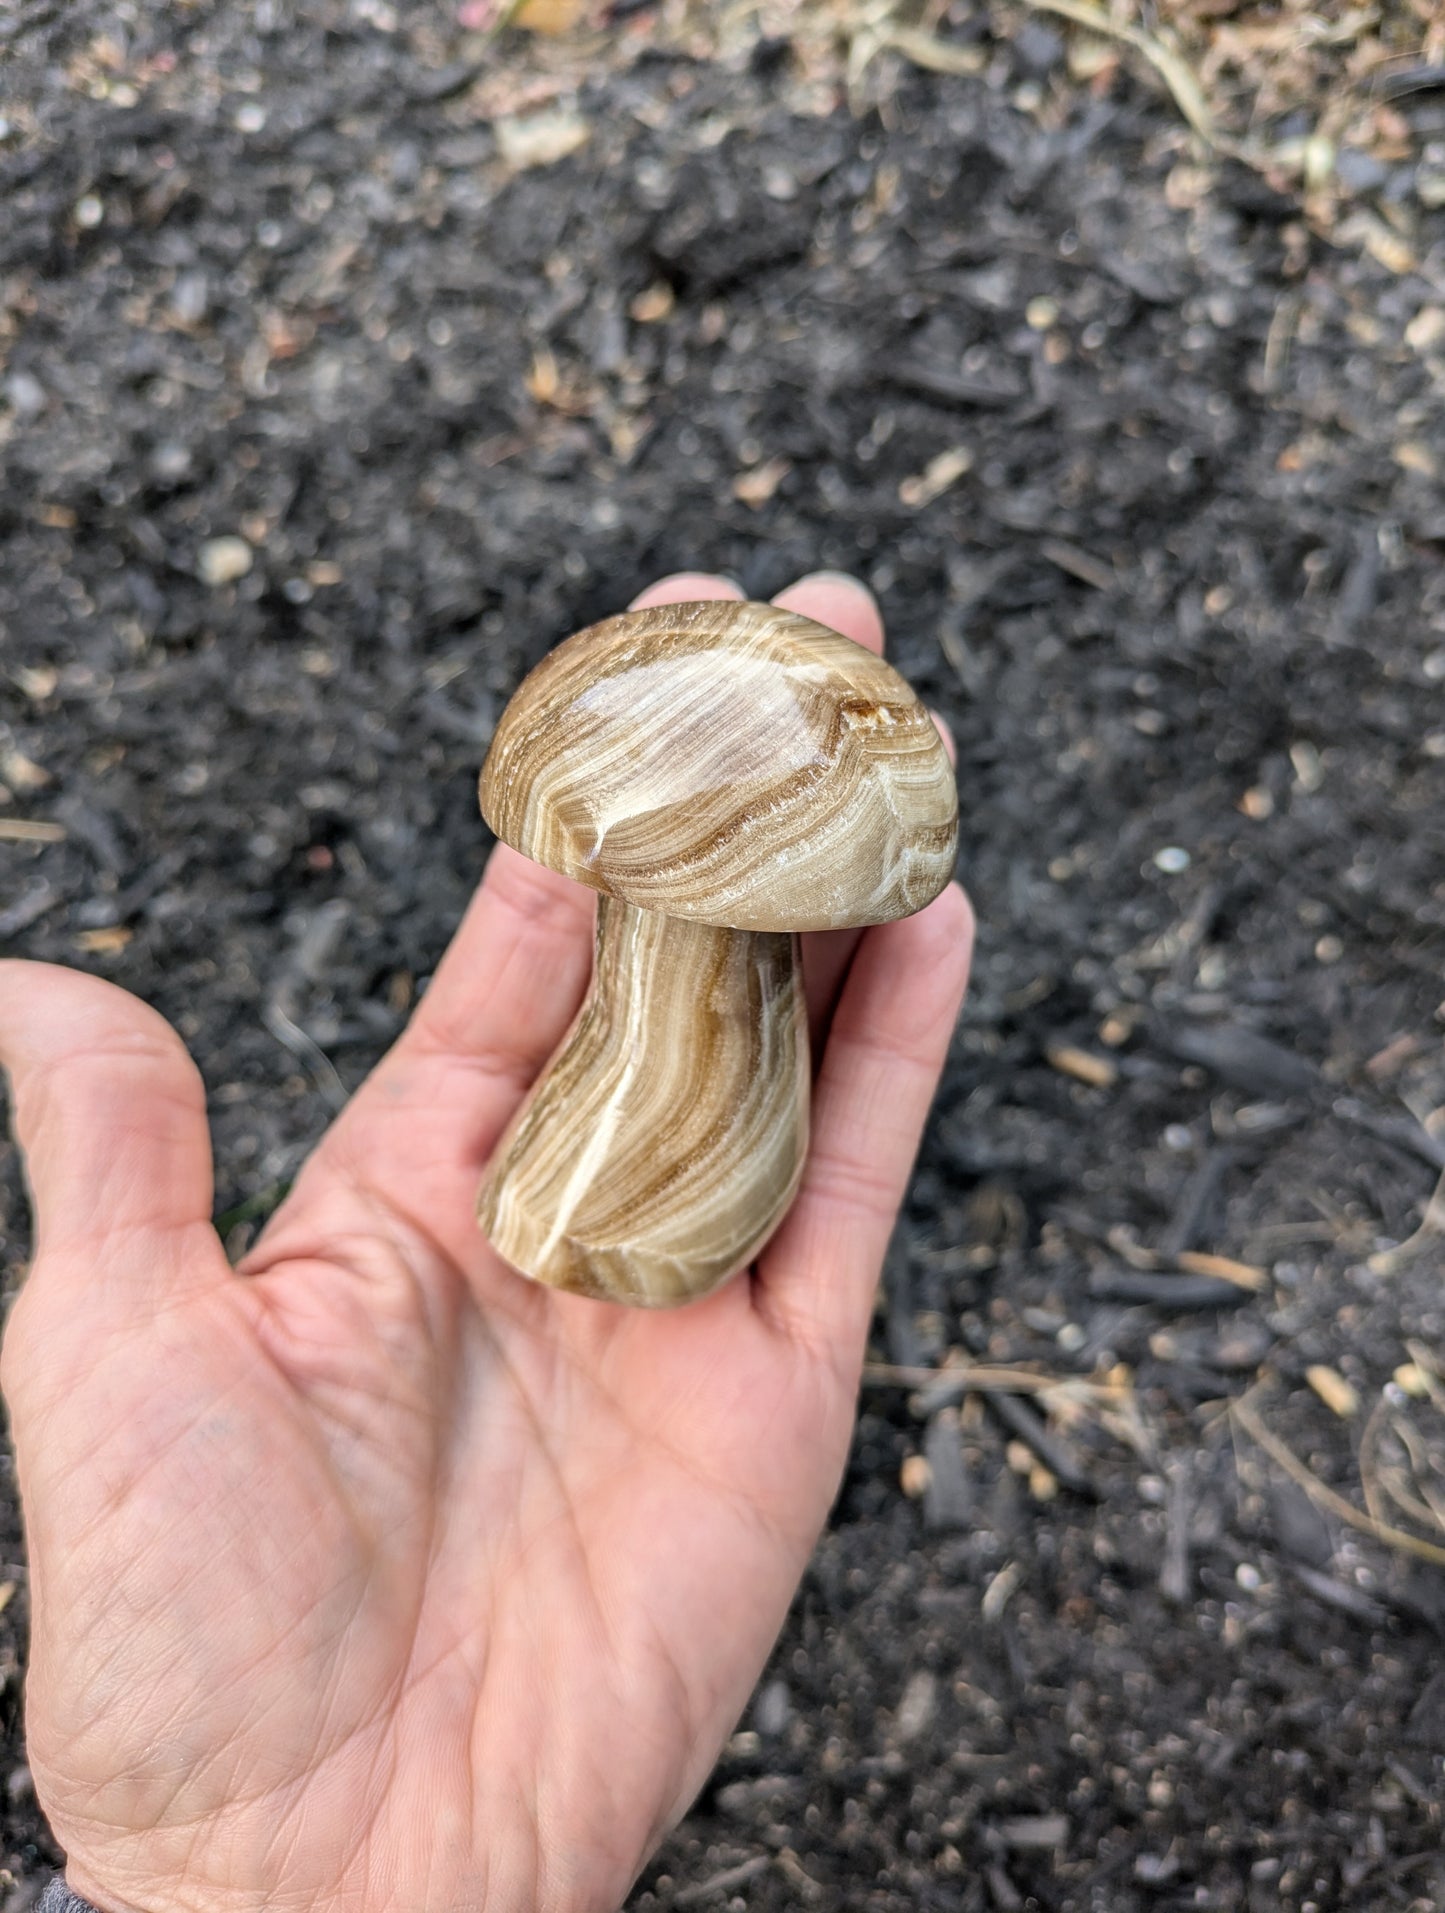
[726, 775]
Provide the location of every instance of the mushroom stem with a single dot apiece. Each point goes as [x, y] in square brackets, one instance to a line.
[664, 1141]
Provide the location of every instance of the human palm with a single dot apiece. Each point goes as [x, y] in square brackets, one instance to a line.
[369, 1575]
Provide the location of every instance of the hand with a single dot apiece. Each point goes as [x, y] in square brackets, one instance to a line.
[370, 1575]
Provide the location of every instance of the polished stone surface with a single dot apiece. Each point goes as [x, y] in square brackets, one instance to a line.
[730, 764]
[726, 775]
[665, 1140]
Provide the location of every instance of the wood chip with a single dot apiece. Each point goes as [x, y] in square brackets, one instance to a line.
[756, 487]
[1035, 1832]
[540, 139]
[107, 942]
[30, 830]
[1427, 329]
[7, 1594]
[914, 1476]
[1338, 1395]
[21, 772]
[1000, 1591]
[1099, 1072]
[653, 305]
[1244, 1275]
[1412, 1380]
[723, 1882]
[1413, 455]
[935, 478]
[1078, 564]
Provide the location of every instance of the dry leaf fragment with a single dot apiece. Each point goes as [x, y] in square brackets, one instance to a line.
[757, 486]
[7, 1594]
[1384, 246]
[549, 17]
[1338, 1395]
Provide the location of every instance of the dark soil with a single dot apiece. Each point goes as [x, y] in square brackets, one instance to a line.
[267, 272]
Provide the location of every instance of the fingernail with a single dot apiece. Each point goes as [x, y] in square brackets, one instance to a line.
[675, 577]
[837, 578]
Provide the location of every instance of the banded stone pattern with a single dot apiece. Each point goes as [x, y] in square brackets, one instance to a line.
[665, 1140]
[731, 764]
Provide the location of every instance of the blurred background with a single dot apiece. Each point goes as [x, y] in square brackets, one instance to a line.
[351, 355]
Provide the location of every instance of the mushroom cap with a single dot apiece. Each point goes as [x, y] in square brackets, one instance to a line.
[730, 764]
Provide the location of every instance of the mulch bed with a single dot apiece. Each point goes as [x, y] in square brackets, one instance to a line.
[1146, 472]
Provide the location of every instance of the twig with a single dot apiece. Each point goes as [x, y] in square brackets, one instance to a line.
[982, 1378]
[1432, 1224]
[1057, 1457]
[724, 1882]
[931, 53]
[31, 830]
[1174, 1567]
[1323, 1495]
[1175, 73]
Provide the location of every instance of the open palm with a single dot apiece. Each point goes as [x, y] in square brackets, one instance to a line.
[370, 1575]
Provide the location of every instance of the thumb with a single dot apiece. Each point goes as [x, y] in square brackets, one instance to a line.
[110, 1113]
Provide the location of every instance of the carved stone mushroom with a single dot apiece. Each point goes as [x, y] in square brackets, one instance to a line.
[727, 775]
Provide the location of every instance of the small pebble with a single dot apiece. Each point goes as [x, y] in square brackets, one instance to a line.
[190, 296]
[1359, 172]
[918, 1706]
[89, 211]
[1341, 1397]
[221, 561]
[25, 394]
[915, 1476]
[1171, 860]
[773, 1709]
[1249, 1577]
[170, 461]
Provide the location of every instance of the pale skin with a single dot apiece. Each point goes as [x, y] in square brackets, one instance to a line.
[369, 1575]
